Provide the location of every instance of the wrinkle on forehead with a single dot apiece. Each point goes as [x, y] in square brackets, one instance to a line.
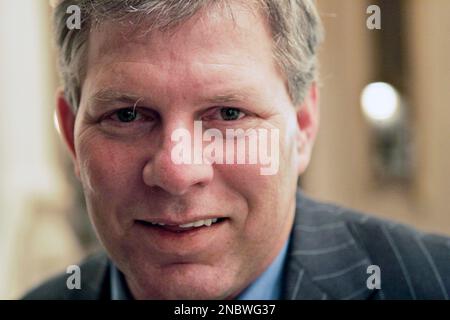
[211, 51]
[232, 16]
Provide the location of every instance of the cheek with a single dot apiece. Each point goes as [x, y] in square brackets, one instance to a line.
[111, 181]
[265, 224]
[267, 196]
[108, 169]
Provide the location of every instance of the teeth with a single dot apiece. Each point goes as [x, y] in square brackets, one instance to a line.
[157, 223]
[187, 225]
[199, 223]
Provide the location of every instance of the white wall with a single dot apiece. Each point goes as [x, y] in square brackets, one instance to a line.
[32, 190]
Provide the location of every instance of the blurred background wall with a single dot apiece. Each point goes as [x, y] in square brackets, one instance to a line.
[38, 200]
[399, 171]
[411, 53]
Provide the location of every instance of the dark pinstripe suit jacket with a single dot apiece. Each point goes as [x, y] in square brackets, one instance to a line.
[331, 248]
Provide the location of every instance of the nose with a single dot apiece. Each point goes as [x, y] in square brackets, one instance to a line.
[175, 178]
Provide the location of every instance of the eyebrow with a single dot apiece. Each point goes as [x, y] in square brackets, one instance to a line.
[107, 96]
[225, 98]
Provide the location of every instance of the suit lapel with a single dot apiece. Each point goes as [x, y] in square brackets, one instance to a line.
[324, 259]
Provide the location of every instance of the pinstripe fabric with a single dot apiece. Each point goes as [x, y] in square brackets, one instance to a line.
[325, 252]
[330, 250]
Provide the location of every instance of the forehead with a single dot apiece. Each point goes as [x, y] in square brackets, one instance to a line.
[229, 20]
[213, 35]
[218, 51]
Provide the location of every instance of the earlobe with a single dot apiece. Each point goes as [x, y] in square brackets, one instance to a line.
[308, 125]
[66, 123]
[303, 152]
[308, 114]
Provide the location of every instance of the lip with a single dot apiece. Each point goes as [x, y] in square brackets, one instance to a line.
[190, 242]
[176, 229]
[180, 222]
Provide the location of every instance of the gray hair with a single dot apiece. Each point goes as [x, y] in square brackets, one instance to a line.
[295, 25]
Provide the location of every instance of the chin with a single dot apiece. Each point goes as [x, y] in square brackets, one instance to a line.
[185, 282]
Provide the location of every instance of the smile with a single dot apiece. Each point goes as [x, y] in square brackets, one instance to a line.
[182, 227]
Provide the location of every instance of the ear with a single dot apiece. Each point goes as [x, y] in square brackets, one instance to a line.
[308, 116]
[66, 122]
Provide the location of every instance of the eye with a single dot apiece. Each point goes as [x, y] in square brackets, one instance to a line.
[129, 121]
[127, 115]
[230, 114]
[225, 114]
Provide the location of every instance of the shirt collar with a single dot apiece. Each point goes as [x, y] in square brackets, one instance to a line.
[268, 285]
[119, 288]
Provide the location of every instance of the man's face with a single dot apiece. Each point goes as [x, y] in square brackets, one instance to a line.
[123, 159]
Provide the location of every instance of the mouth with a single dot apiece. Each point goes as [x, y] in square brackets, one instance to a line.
[184, 240]
[184, 228]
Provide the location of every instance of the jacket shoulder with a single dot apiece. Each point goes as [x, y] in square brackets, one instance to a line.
[94, 272]
[413, 264]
